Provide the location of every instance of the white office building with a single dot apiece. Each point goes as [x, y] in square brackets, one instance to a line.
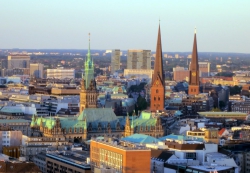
[61, 73]
[36, 70]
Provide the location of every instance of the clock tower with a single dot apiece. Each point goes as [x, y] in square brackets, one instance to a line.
[88, 93]
[194, 82]
[158, 82]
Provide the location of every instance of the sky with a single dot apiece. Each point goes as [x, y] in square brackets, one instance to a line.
[222, 25]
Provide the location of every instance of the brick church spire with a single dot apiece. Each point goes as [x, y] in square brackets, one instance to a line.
[194, 82]
[158, 67]
[158, 81]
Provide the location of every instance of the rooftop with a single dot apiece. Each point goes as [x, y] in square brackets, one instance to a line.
[73, 158]
[126, 145]
[223, 113]
[3, 121]
[141, 139]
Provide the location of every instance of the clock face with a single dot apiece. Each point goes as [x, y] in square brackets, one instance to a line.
[193, 73]
[157, 82]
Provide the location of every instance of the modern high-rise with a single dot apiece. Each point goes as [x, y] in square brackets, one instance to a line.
[36, 70]
[158, 82]
[18, 61]
[61, 73]
[194, 82]
[115, 60]
[139, 59]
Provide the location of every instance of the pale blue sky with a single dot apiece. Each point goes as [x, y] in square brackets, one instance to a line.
[222, 25]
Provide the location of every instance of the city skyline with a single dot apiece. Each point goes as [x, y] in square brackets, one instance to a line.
[221, 27]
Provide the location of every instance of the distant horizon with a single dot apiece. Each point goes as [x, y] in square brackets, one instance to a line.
[120, 49]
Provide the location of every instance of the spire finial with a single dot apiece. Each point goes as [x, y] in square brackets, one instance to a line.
[88, 56]
[195, 30]
[159, 20]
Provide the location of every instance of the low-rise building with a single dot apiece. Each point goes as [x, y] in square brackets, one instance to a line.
[209, 135]
[120, 157]
[10, 138]
[67, 161]
[12, 151]
[196, 103]
[31, 146]
[138, 73]
[16, 124]
[11, 165]
[40, 160]
[222, 116]
[240, 106]
[61, 73]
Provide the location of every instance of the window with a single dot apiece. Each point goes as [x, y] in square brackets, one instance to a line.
[159, 99]
[191, 156]
[157, 91]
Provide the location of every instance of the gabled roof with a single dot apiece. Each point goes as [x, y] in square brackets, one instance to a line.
[143, 121]
[222, 131]
[141, 139]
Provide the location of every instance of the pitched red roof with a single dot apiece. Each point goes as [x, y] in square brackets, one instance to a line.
[222, 131]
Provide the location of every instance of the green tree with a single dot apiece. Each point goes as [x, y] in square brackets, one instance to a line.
[222, 104]
[141, 103]
[226, 74]
[235, 90]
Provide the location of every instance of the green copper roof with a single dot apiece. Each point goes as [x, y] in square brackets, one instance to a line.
[143, 121]
[141, 139]
[89, 115]
[145, 115]
[89, 69]
[11, 110]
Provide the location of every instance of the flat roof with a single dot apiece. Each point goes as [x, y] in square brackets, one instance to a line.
[222, 113]
[209, 168]
[2, 121]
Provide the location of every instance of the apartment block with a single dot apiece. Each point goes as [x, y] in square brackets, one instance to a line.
[139, 59]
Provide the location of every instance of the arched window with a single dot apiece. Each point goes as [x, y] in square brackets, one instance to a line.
[154, 98]
[157, 91]
[159, 99]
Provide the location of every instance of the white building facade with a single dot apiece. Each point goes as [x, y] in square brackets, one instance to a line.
[61, 73]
